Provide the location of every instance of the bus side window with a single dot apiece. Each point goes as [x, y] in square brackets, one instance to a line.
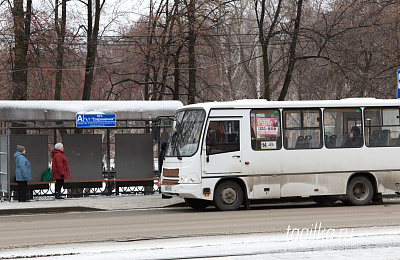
[382, 126]
[265, 129]
[222, 137]
[302, 128]
[343, 128]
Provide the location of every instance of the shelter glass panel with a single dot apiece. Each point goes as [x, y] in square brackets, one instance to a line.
[134, 156]
[83, 153]
[36, 153]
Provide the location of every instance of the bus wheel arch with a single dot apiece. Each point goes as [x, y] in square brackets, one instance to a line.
[229, 194]
[361, 189]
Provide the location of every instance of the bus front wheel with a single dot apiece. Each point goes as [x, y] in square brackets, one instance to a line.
[228, 196]
[360, 191]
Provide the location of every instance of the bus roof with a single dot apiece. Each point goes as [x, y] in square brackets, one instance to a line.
[262, 103]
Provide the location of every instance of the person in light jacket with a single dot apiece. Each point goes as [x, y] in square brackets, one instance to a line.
[22, 172]
[59, 168]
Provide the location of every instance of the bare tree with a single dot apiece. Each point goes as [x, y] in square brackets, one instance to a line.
[292, 52]
[356, 45]
[60, 30]
[22, 33]
[191, 7]
[92, 42]
[277, 27]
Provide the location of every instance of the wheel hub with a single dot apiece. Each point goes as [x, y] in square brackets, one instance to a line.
[360, 191]
[229, 195]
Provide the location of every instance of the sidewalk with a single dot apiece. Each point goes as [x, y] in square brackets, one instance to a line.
[94, 203]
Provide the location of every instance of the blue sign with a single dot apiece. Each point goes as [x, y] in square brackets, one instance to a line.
[398, 83]
[96, 120]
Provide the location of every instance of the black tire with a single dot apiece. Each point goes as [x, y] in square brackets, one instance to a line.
[228, 196]
[360, 191]
[325, 201]
[197, 204]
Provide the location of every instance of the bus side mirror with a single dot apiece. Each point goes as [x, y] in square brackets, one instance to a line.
[213, 138]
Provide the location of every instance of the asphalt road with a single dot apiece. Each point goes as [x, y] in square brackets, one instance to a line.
[78, 227]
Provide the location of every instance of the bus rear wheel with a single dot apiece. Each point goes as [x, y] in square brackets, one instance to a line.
[197, 203]
[228, 196]
[360, 191]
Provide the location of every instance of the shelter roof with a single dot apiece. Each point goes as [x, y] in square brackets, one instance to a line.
[53, 110]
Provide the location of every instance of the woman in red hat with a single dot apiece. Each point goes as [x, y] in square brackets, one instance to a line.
[59, 168]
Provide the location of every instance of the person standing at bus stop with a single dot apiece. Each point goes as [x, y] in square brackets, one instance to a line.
[59, 168]
[22, 172]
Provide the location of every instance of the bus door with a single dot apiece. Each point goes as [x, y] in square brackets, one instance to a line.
[221, 153]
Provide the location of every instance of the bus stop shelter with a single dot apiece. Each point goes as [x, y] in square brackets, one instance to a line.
[102, 158]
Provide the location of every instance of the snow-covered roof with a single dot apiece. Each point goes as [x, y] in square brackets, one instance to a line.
[66, 110]
[262, 103]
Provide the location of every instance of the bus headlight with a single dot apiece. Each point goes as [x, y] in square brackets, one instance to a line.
[190, 178]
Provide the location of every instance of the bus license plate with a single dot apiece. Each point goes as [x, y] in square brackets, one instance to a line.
[168, 188]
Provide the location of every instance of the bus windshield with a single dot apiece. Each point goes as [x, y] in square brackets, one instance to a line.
[186, 133]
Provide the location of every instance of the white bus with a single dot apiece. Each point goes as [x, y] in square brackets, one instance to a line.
[229, 153]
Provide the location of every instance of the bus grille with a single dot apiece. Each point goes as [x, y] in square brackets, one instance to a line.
[169, 182]
[171, 173]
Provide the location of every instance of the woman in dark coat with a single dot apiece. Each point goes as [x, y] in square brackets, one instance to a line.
[22, 172]
[59, 168]
[354, 138]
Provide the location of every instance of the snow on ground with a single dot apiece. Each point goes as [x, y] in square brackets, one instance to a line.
[360, 243]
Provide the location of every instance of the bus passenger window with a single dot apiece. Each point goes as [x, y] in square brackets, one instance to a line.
[302, 128]
[382, 127]
[265, 129]
[222, 137]
[343, 128]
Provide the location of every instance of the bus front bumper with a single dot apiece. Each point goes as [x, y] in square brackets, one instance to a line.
[184, 191]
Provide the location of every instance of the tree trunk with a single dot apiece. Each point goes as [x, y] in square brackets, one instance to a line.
[92, 35]
[150, 30]
[60, 30]
[177, 73]
[266, 74]
[292, 53]
[265, 40]
[365, 86]
[175, 95]
[60, 46]
[166, 41]
[164, 78]
[22, 28]
[192, 55]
